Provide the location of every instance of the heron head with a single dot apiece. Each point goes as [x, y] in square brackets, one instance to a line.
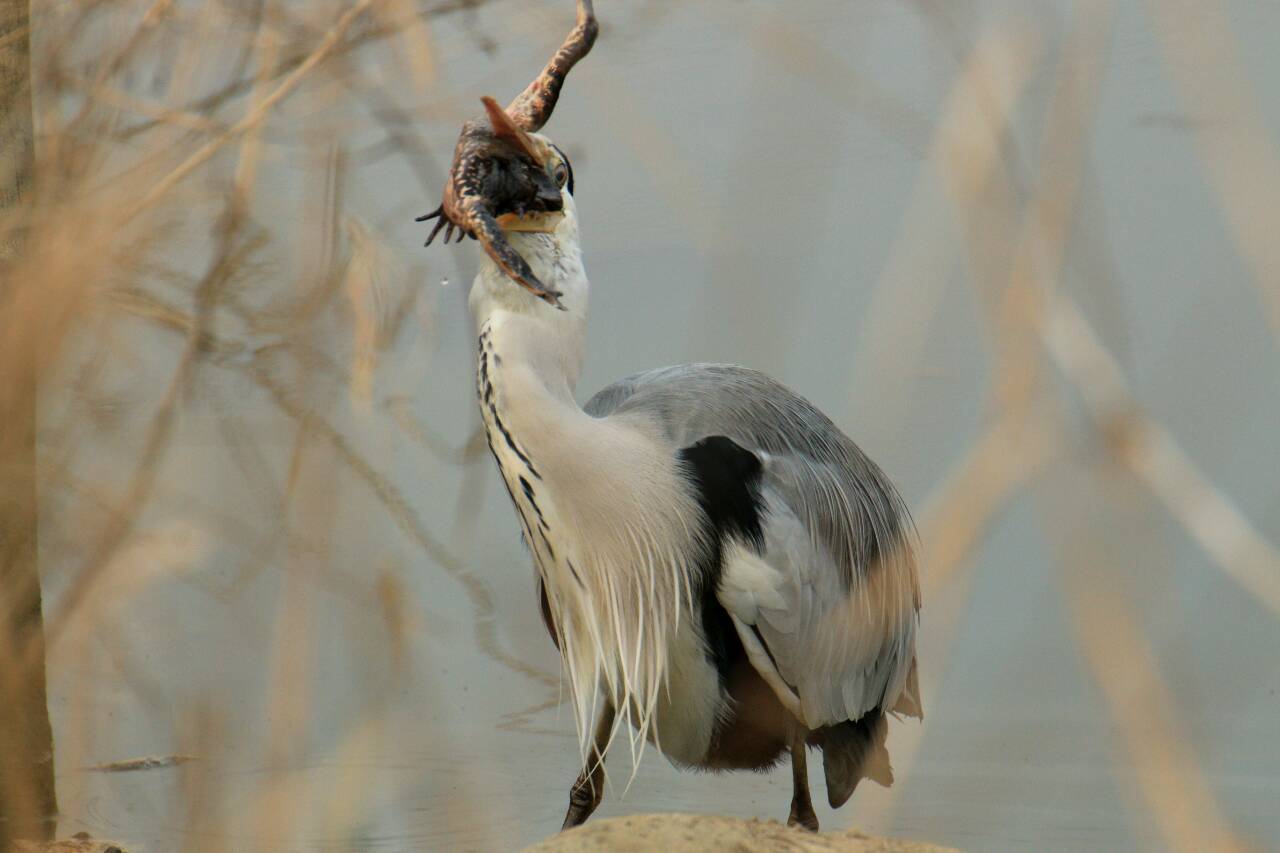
[506, 177]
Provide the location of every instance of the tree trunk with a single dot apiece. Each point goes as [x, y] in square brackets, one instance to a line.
[28, 807]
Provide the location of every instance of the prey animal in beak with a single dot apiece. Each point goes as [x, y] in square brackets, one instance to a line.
[502, 177]
[543, 212]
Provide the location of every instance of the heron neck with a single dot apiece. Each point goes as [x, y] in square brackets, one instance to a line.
[526, 362]
[541, 340]
[530, 358]
[604, 506]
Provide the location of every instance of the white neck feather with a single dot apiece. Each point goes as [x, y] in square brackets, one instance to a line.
[602, 502]
[554, 336]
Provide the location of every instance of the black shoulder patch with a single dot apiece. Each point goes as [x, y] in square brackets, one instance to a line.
[727, 477]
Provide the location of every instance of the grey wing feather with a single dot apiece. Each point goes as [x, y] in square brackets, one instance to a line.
[839, 618]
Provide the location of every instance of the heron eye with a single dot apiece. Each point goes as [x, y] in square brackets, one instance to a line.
[561, 174]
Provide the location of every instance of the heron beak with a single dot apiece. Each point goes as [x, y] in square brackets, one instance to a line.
[531, 223]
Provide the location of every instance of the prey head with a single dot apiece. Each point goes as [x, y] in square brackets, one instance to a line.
[506, 177]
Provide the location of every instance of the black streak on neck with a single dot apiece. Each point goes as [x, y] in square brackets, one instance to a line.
[487, 399]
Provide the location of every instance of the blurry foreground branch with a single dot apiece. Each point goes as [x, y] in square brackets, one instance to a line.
[27, 802]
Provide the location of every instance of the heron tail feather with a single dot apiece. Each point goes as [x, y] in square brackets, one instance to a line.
[853, 751]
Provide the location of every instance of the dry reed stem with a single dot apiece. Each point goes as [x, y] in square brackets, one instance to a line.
[796, 51]
[109, 95]
[415, 32]
[309, 505]
[1239, 154]
[963, 506]
[1176, 790]
[254, 116]
[155, 445]
[27, 795]
[1121, 660]
[245, 178]
[196, 329]
[997, 465]
[965, 151]
[480, 596]
[1040, 249]
[1151, 453]
[478, 593]
[202, 732]
[364, 283]
[411, 425]
[1144, 445]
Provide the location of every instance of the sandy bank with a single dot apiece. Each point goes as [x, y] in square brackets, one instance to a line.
[671, 832]
[78, 843]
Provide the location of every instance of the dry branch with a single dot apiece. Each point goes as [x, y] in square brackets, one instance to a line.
[254, 116]
[27, 798]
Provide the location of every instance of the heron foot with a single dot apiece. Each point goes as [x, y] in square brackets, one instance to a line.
[584, 797]
[588, 791]
[802, 816]
[801, 804]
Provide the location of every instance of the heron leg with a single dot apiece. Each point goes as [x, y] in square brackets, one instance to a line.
[587, 792]
[801, 805]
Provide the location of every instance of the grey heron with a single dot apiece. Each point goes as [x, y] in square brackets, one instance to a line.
[718, 564]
